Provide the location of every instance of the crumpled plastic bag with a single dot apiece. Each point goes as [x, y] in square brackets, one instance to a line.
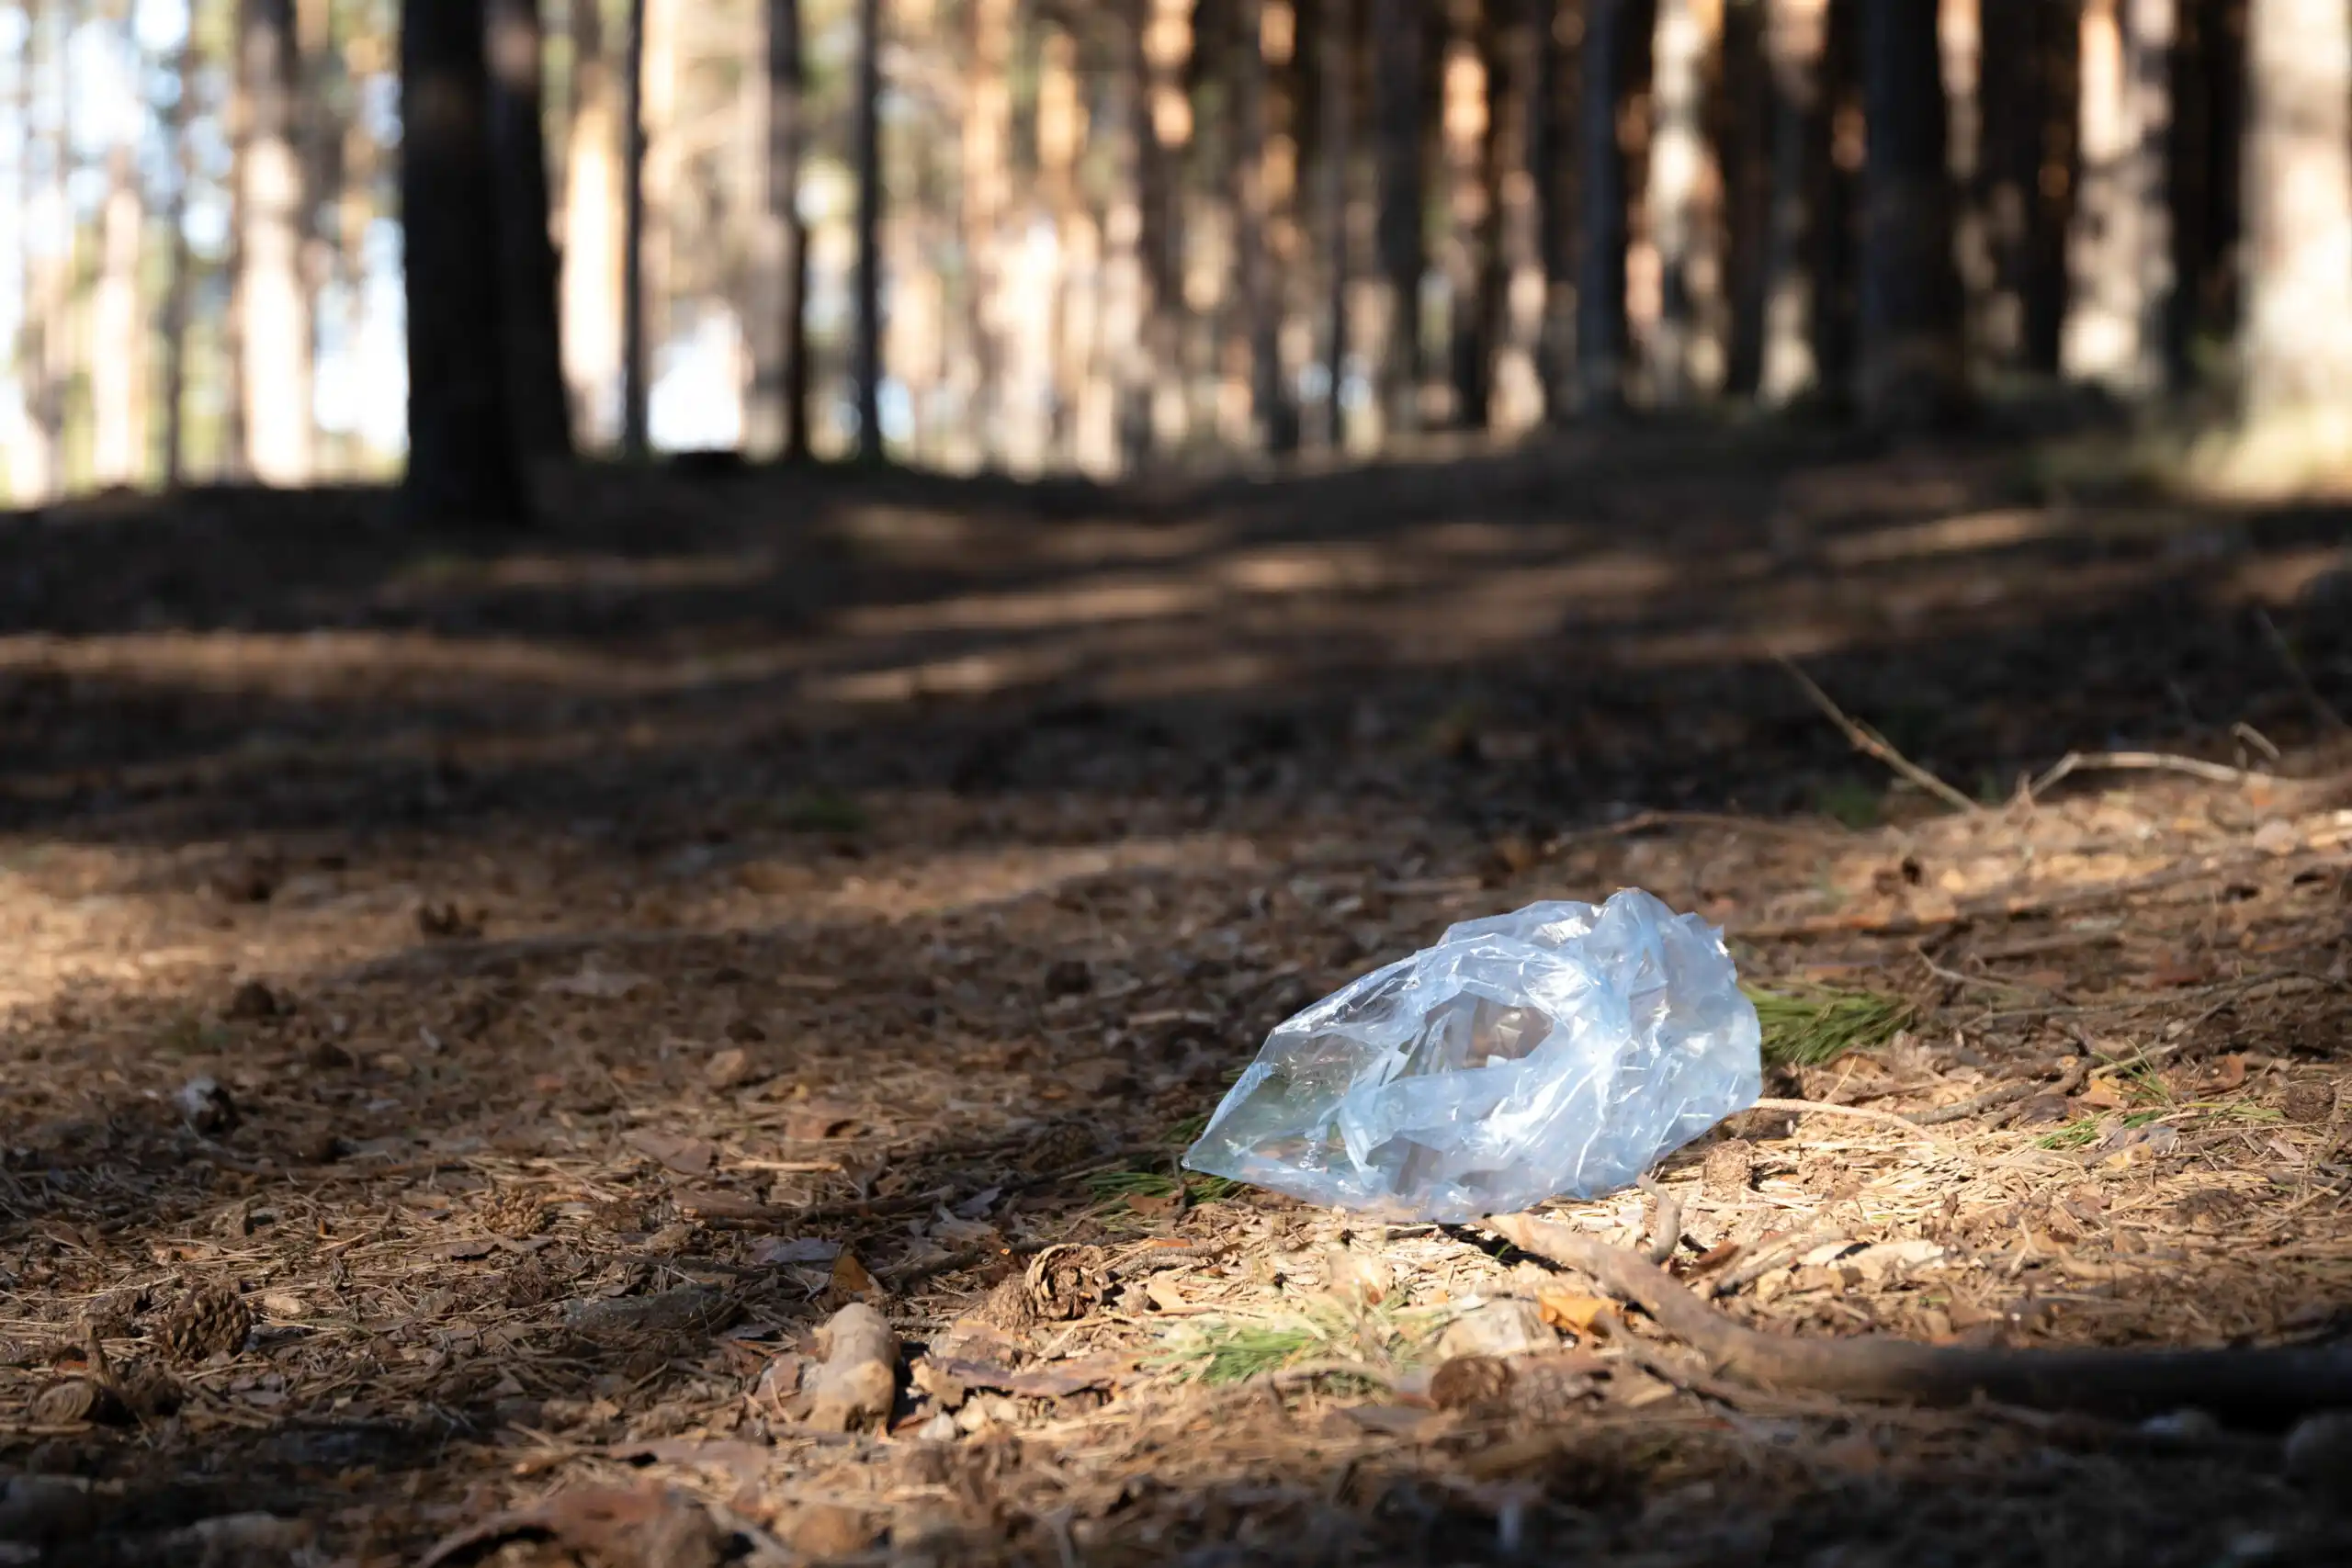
[1558, 1051]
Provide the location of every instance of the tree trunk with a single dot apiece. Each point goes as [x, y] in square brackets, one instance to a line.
[868, 144]
[1911, 329]
[1261, 303]
[178, 264]
[36, 469]
[118, 335]
[2117, 327]
[1676, 199]
[1396, 93]
[275, 325]
[2297, 336]
[535, 388]
[1743, 140]
[592, 241]
[461, 462]
[1616, 32]
[778, 415]
[2209, 124]
[1796, 38]
[2025, 176]
[636, 392]
[1164, 42]
[1335, 87]
[1548, 193]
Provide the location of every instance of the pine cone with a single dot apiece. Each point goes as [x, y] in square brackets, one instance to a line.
[515, 1211]
[1066, 1282]
[1061, 1145]
[210, 1320]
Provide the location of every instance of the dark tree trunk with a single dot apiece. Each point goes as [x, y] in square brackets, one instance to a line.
[1546, 190]
[2056, 45]
[534, 391]
[2014, 85]
[2209, 123]
[1833, 241]
[1398, 115]
[867, 106]
[1616, 38]
[779, 333]
[178, 280]
[1743, 151]
[1911, 343]
[636, 439]
[1335, 105]
[461, 462]
[1478, 282]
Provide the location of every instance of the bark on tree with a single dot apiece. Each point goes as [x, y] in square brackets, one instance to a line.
[636, 441]
[2208, 121]
[779, 404]
[592, 224]
[2026, 174]
[178, 264]
[527, 281]
[2123, 267]
[1910, 322]
[2297, 337]
[1676, 198]
[275, 303]
[462, 464]
[868, 145]
[1615, 33]
[1397, 113]
[118, 336]
[1743, 139]
[1335, 85]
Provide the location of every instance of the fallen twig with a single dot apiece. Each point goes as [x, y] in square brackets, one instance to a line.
[1666, 1225]
[1870, 743]
[2253, 1387]
[2070, 1078]
[2142, 762]
[1859, 1112]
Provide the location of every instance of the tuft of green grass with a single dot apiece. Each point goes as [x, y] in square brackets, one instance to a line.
[1230, 1350]
[2083, 1133]
[1805, 1026]
[1111, 1186]
[1190, 1128]
[1851, 802]
[1235, 1352]
[825, 811]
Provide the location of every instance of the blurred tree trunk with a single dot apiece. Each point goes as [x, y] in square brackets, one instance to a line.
[1911, 327]
[1743, 140]
[48, 266]
[118, 336]
[986, 195]
[178, 265]
[1335, 102]
[868, 146]
[1253, 199]
[778, 412]
[1616, 44]
[535, 388]
[2026, 174]
[1475, 122]
[462, 464]
[1676, 199]
[1833, 236]
[2297, 336]
[1061, 129]
[1796, 38]
[1164, 42]
[592, 225]
[1550, 82]
[1397, 118]
[2209, 124]
[275, 346]
[2122, 265]
[636, 439]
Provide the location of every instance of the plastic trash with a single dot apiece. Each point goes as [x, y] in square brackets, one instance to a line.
[1558, 1051]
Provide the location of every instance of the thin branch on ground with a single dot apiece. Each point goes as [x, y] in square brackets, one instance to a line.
[2256, 1387]
[1666, 1223]
[2143, 761]
[1870, 743]
[2070, 1078]
[1859, 1112]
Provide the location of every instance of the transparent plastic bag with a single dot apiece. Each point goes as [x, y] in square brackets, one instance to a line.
[1558, 1051]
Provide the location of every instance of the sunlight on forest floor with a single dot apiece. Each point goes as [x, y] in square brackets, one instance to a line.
[619, 951]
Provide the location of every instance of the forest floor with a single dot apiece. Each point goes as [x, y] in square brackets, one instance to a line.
[474, 1006]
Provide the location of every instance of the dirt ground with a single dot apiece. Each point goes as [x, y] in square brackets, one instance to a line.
[475, 1006]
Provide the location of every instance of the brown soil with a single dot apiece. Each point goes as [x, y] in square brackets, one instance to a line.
[568, 925]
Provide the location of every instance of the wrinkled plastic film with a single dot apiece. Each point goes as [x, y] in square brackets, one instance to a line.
[1557, 1051]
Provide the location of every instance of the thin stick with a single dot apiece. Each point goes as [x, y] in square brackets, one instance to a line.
[2324, 710]
[1870, 742]
[2143, 761]
[2254, 1387]
[2069, 1079]
[1666, 1225]
[1859, 1112]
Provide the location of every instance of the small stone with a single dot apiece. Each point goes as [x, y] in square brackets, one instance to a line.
[206, 1107]
[1510, 1326]
[2318, 1450]
[209, 1321]
[1465, 1381]
[1729, 1171]
[731, 1068]
[251, 1002]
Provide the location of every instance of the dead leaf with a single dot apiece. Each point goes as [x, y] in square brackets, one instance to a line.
[1056, 1380]
[745, 1462]
[468, 1250]
[1575, 1314]
[731, 1068]
[826, 1529]
[688, 1157]
[1153, 1205]
[2229, 1073]
[812, 1120]
[2102, 1094]
[623, 1526]
[851, 1278]
[1388, 1420]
